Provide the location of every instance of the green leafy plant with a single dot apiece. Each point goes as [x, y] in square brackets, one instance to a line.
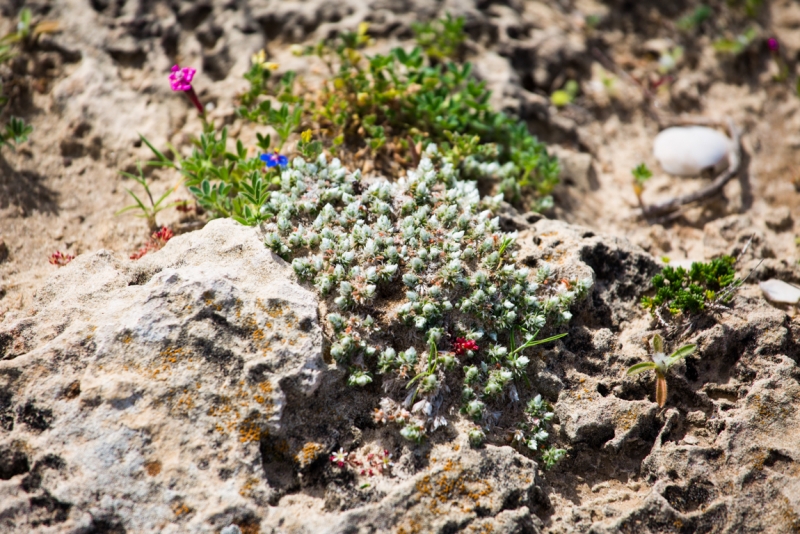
[23, 34]
[436, 246]
[661, 364]
[147, 210]
[738, 44]
[440, 39]
[688, 291]
[694, 19]
[564, 97]
[551, 456]
[15, 133]
[421, 246]
[391, 106]
[751, 7]
[641, 174]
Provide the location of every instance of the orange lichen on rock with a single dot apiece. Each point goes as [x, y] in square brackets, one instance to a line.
[308, 454]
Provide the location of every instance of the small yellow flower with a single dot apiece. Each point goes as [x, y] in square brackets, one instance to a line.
[271, 65]
[363, 28]
[306, 136]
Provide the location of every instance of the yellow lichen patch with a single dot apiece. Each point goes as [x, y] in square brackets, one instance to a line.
[249, 430]
[274, 309]
[453, 485]
[185, 403]
[625, 420]
[180, 509]
[414, 527]
[248, 487]
[308, 454]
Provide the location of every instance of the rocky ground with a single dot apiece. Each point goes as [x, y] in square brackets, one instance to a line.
[133, 394]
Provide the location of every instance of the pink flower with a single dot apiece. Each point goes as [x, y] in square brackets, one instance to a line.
[181, 78]
[773, 45]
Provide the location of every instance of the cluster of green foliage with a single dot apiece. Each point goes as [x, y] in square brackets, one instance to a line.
[694, 19]
[641, 174]
[392, 106]
[16, 132]
[682, 291]
[428, 125]
[566, 95]
[389, 107]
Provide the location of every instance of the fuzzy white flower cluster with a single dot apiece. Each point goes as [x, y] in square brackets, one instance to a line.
[428, 253]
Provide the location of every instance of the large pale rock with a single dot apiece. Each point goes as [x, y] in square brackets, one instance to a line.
[687, 151]
[143, 389]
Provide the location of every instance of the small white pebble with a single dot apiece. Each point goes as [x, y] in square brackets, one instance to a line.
[690, 440]
[780, 292]
[686, 151]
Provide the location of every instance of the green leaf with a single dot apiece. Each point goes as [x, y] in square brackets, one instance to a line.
[640, 368]
[658, 343]
[682, 352]
[163, 160]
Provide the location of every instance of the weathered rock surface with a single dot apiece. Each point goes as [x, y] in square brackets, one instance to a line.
[139, 394]
[189, 392]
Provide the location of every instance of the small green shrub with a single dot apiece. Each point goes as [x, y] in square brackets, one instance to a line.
[697, 17]
[566, 95]
[15, 133]
[391, 106]
[680, 291]
[641, 174]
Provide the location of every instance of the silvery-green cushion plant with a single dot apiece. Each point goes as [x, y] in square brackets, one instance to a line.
[422, 289]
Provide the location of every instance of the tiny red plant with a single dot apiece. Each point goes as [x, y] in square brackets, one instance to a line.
[157, 242]
[461, 346]
[61, 258]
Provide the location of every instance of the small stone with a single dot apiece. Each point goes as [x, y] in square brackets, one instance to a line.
[690, 440]
[779, 219]
[780, 292]
[231, 529]
[687, 151]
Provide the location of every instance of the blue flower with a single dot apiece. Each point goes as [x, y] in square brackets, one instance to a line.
[274, 159]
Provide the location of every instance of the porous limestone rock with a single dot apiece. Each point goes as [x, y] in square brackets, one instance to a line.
[139, 394]
[189, 392]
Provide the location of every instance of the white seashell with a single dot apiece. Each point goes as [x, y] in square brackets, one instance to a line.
[686, 151]
[780, 292]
